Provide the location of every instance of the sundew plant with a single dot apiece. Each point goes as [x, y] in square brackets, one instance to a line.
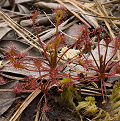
[47, 66]
[52, 66]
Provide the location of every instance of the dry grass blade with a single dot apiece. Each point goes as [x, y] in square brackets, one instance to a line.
[90, 92]
[21, 31]
[83, 12]
[107, 14]
[110, 2]
[27, 101]
[73, 13]
[38, 113]
[68, 25]
[102, 12]
[79, 4]
[6, 90]
[101, 17]
[11, 77]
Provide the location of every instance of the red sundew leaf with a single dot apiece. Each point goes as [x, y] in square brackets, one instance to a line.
[32, 84]
[30, 77]
[37, 63]
[118, 69]
[17, 64]
[60, 14]
[18, 88]
[45, 108]
[117, 42]
[2, 80]
[13, 52]
[97, 31]
[107, 41]
[34, 17]
[57, 41]
[11, 58]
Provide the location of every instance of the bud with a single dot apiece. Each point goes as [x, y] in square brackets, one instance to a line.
[49, 46]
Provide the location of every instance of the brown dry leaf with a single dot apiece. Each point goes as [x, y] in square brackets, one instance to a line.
[22, 1]
[2, 2]
[12, 2]
[23, 9]
[4, 30]
[10, 70]
[73, 31]
[2, 118]
[84, 13]
[42, 21]
[6, 98]
[48, 5]
[7, 3]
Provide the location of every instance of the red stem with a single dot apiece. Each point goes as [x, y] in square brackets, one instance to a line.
[41, 44]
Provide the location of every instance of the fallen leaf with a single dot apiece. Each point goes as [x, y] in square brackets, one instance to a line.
[23, 9]
[4, 31]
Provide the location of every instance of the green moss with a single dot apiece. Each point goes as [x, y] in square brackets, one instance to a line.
[88, 106]
[115, 102]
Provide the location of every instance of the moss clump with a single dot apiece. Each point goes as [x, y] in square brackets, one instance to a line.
[88, 106]
[115, 102]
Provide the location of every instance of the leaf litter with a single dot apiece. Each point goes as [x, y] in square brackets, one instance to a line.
[85, 14]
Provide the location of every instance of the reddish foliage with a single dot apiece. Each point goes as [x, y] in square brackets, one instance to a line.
[2, 80]
[53, 69]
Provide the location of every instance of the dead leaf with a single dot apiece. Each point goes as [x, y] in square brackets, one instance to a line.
[6, 100]
[73, 31]
[48, 5]
[2, 2]
[5, 103]
[23, 9]
[41, 21]
[2, 118]
[4, 31]
[12, 2]
[22, 1]
[7, 3]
